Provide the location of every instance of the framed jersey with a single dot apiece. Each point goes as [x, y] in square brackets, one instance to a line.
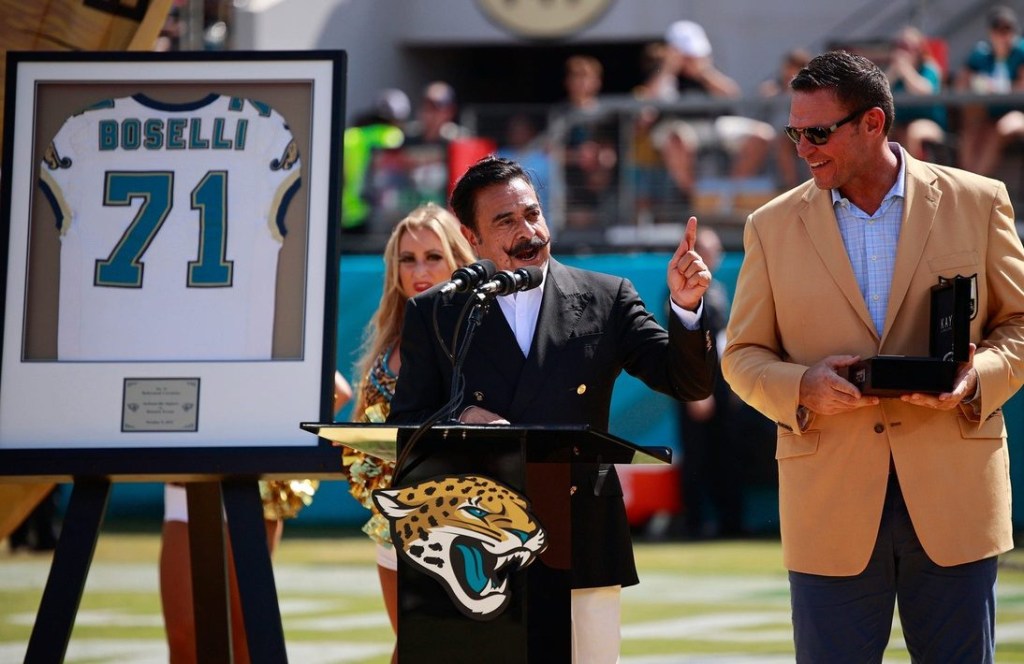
[170, 260]
[163, 209]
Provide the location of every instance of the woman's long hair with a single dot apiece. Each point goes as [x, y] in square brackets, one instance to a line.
[385, 327]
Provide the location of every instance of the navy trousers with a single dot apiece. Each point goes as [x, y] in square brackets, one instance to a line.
[947, 613]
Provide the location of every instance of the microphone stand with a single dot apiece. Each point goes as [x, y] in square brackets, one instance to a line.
[447, 411]
[523, 279]
[476, 316]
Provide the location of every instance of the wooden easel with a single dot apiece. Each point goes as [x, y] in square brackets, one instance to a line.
[208, 501]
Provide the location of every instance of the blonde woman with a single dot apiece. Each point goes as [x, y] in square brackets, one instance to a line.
[424, 249]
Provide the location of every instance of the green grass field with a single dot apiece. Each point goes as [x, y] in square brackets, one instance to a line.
[716, 602]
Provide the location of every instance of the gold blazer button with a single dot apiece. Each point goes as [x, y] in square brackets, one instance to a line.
[479, 396]
[581, 389]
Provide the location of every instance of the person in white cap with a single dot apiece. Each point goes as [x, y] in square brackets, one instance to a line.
[746, 141]
[694, 66]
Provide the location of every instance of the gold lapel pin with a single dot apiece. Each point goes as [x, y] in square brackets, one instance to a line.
[581, 389]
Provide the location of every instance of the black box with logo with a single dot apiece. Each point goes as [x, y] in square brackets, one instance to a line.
[949, 344]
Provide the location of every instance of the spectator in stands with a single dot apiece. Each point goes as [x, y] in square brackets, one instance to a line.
[525, 144]
[421, 172]
[436, 116]
[381, 128]
[169, 38]
[651, 184]
[790, 169]
[588, 136]
[745, 140]
[658, 64]
[994, 66]
[913, 70]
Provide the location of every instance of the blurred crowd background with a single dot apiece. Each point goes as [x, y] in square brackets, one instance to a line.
[631, 118]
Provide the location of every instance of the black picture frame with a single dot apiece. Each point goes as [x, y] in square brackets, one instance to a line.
[61, 420]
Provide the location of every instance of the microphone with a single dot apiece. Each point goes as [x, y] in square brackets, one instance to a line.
[506, 283]
[466, 278]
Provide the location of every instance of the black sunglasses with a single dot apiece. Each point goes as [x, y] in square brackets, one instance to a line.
[820, 135]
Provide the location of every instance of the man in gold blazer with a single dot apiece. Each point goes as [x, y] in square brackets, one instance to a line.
[880, 497]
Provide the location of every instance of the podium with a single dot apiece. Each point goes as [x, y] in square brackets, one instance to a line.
[536, 462]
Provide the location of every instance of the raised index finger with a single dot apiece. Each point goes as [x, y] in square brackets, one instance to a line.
[691, 233]
[689, 239]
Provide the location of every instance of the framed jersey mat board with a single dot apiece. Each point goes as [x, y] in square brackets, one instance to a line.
[170, 262]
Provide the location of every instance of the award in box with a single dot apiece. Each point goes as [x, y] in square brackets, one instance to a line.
[949, 344]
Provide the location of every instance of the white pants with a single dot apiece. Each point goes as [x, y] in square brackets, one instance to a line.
[596, 633]
[387, 557]
[175, 503]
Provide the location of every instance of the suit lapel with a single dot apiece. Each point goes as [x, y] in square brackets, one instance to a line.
[820, 221]
[561, 308]
[919, 209]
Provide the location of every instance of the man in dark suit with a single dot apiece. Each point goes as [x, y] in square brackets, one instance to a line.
[550, 356]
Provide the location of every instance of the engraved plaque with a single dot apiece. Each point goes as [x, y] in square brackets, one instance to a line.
[160, 404]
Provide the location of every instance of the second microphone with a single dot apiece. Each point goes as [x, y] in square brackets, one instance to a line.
[506, 283]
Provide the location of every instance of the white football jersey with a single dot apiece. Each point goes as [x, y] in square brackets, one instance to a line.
[171, 218]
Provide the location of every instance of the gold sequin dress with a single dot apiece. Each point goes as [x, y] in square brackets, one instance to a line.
[365, 473]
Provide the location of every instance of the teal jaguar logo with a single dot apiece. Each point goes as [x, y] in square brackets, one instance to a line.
[467, 532]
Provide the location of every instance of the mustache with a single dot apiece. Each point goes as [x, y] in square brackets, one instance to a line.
[528, 245]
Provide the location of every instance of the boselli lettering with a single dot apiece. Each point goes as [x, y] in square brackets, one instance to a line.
[170, 134]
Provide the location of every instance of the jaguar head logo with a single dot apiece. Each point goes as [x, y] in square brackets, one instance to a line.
[288, 158]
[53, 160]
[467, 532]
